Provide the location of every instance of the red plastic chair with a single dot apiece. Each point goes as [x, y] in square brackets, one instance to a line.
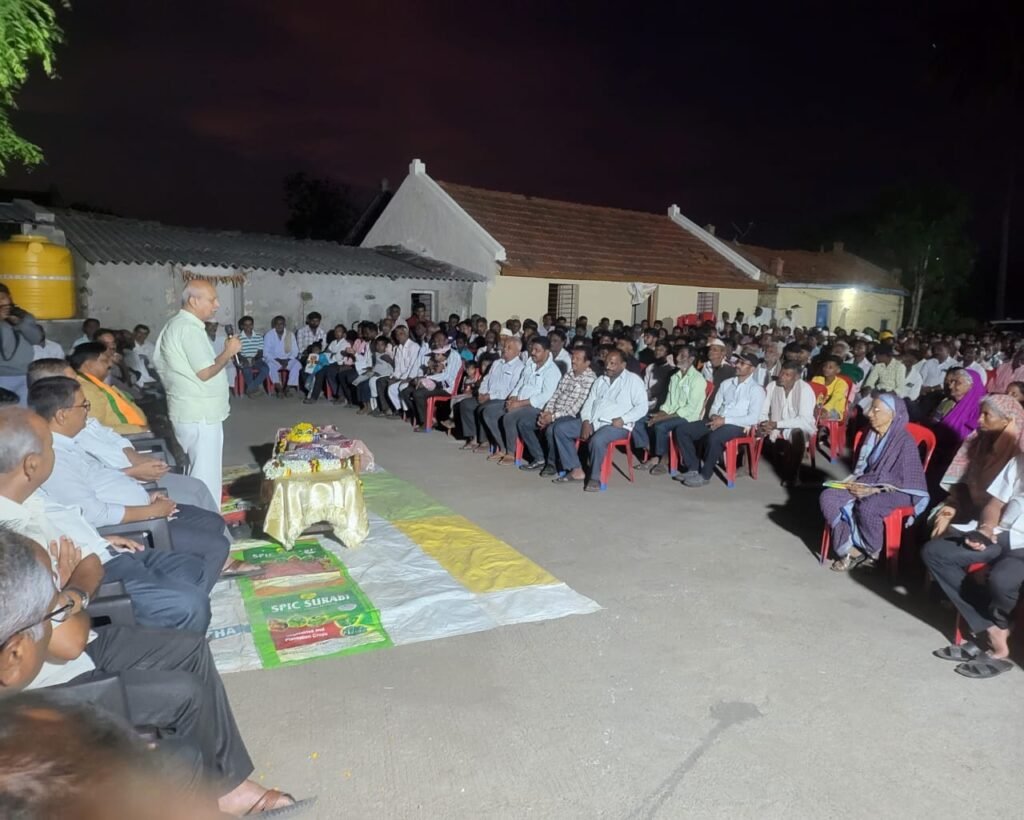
[432, 402]
[836, 428]
[268, 385]
[732, 455]
[895, 521]
[519, 450]
[624, 444]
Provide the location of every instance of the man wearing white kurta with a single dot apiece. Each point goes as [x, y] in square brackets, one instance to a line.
[196, 385]
[281, 352]
[787, 420]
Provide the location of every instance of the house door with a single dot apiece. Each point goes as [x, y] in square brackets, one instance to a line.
[822, 314]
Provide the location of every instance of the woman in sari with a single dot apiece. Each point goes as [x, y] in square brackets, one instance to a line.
[956, 416]
[978, 480]
[888, 456]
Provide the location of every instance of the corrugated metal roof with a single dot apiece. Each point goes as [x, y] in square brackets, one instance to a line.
[109, 239]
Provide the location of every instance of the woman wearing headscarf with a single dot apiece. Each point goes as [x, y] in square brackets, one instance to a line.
[889, 457]
[987, 486]
[955, 417]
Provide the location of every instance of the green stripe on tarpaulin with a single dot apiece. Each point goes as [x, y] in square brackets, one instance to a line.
[396, 500]
[306, 606]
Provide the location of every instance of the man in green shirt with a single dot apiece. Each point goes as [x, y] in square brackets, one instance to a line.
[196, 385]
[687, 391]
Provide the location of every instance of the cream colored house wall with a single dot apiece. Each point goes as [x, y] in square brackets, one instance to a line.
[851, 307]
[527, 297]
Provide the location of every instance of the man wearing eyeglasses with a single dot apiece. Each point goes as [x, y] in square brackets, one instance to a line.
[169, 678]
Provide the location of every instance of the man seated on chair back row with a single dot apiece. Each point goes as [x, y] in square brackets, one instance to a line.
[117, 452]
[168, 676]
[787, 420]
[110, 406]
[616, 402]
[565, 402]
[736, 406]
[107, 496]
[496, 386]
[537, 383]
[166, 588]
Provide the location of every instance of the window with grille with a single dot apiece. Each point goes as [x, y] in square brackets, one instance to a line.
[563, 300]
[427, 298]
[707, 301]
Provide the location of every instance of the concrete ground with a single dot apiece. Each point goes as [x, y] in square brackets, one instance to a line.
[728, 675]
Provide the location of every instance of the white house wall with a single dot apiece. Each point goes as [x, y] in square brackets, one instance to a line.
[122, 296]
[423, 219]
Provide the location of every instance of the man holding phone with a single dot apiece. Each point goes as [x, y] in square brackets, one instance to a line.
[19, 332]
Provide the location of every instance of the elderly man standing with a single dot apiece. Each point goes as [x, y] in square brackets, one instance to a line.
[197, 387]
[536, 385]
[616, 402]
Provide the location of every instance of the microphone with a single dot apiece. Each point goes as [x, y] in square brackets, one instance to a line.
[229, 331]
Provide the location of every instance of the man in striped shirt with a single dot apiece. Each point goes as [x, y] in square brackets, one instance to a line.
[566, 402]
[251, 363]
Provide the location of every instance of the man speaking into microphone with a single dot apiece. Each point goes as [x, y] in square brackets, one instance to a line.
[196, 385]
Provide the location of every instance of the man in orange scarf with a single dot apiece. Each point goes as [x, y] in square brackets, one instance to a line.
[110, 406]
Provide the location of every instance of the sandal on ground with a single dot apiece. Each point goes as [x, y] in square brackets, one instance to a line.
[567, 479]
[234, 569]
[480, 448]
[448, 424]
[659, 469]
[267, 805]
[495, 456]
[468, 445]
[984, 667]
[592, 487]
[507, 459]
[967, 651]
[548, 471]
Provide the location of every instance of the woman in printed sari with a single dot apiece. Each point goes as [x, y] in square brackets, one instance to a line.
[978, 480]
[955, 418]
[888, 456]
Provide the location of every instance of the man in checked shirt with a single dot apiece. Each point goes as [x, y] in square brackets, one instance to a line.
[567, 400]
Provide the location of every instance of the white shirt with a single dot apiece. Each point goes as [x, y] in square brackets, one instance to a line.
[800, 398]
[274, 347]
[336, 348]
[979, 368]
[102, 442]
[625, 398]
[865, 368]
[915, 382]
[538, 383]
[739, 402]
[933, 372]
[407, 357]
[1008, 487]
[47, 350]
[564, 356]
[136, 364]
[81, 480]
[502, 378]
[81, 340]
[43, 523]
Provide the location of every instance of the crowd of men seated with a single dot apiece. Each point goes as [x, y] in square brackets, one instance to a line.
[78, 500]
[80, 512]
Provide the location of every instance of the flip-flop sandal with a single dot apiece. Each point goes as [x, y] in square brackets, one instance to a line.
[967, 651]
[265, 806]
[592, 487]
[567, 479]
[507, 460]
[232, 571]
[984, 667]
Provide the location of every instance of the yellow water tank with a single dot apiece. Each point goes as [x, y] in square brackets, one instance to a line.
[40, 276]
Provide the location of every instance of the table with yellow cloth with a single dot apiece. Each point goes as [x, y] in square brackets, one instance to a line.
[297, 502]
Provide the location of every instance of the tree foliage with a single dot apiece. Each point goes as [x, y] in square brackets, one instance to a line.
[319, 208]
[28, 32]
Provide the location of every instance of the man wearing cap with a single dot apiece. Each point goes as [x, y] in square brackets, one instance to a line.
[736, 406]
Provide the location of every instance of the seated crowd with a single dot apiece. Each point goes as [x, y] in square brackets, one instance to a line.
[78, 499]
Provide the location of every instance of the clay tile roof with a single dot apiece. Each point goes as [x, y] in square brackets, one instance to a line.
[565, 240]
[834, 267]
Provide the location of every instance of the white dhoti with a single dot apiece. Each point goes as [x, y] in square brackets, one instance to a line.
[204, 444]
[393, 391]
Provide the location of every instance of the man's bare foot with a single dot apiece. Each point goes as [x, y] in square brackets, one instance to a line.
[579, 475]
[998, 639]
[245, 797]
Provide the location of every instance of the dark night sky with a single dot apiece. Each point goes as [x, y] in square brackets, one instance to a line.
[771, 113]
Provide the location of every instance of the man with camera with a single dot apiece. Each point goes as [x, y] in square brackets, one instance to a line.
[19, 331]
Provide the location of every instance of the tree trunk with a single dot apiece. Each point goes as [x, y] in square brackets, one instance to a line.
[920, 278]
